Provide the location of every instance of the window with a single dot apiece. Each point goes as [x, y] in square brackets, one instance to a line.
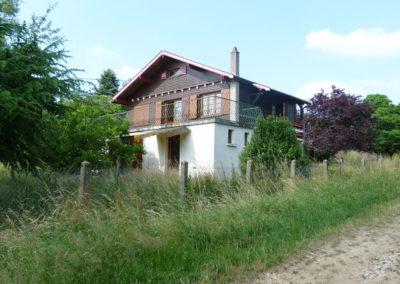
[218, 103]
[230, 136]
[211, 104]
[205, 105]
[178, 110]
[246, 138]
[171, 111]
[174, 72]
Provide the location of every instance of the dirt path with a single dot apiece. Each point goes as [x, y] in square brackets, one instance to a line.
[369, 254]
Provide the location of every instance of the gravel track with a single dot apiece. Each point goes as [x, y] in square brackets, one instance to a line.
[368, 254]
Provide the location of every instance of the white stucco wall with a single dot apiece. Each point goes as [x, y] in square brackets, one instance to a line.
[227, 155]
[205, 148]
[156, 157]
[197, 148]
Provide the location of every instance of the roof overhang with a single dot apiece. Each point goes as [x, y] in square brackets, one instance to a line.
[261, 87]
[167, 132]
[168, 54]
[122, 96]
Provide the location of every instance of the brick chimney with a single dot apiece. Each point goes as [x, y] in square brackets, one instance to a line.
[235, 61]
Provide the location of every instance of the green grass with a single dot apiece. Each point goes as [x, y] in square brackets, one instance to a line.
[136, 230]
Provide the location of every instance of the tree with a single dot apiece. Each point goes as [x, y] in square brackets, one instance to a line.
[87, 132]
[33, 81]
[388, 123]
[273, 141]
[108, 83]
[339, 121]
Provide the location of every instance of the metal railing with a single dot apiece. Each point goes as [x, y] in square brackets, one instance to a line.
[186, 110]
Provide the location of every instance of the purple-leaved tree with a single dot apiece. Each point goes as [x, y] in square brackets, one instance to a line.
[338, 121]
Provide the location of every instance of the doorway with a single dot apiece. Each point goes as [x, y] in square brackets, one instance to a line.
[173, 151]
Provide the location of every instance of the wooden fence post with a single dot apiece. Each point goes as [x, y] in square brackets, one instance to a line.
[325, 166]
[363, 163]
[184, 179]
[293, 169]
[249, 171]
[85, 178]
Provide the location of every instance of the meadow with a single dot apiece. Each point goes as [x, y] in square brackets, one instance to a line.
[135, 228]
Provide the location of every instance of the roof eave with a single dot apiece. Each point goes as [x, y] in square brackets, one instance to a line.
[174, 56]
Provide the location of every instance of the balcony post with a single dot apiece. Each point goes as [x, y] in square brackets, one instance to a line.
[284, 110]
[304, 124]
[234, 103]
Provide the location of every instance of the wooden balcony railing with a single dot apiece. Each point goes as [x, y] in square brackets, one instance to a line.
[189, 110]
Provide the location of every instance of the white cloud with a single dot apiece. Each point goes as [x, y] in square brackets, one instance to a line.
[101, 50]
[361, 87]
[126, 73]
[361, 43]
[308, 90]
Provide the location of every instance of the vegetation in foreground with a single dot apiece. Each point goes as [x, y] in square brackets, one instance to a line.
[135, 229]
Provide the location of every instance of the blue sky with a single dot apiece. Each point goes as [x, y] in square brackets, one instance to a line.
[293, 46]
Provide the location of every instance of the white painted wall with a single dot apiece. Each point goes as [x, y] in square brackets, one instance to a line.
[197, 148]
[205, 148]
[156, 157]
[227, 155]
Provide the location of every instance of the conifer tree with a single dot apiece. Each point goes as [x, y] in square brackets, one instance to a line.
[108, 83]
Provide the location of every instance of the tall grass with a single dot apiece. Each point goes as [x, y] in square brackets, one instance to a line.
[135, 229]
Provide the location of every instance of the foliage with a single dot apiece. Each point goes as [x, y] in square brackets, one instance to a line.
[388, 123]
[338, 121]
[87, 132]
[33, 80]
[43, 122]
[273, 141]
[108, 83]
[136, 230]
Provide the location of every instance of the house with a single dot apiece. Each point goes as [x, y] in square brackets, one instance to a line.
[182, 110]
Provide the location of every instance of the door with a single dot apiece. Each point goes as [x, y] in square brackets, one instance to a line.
[173, 152]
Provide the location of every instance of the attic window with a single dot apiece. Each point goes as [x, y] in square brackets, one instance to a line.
[173, 72]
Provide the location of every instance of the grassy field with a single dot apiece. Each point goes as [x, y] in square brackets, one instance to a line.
[135, 229]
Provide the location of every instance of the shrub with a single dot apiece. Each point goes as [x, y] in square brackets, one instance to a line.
[273, 142]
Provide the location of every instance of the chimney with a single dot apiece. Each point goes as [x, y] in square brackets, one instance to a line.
[235, 61]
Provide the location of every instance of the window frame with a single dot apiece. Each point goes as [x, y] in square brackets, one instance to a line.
[230, 136]
[175, 72]
[165, 117]
[246, 138]
[213, 102]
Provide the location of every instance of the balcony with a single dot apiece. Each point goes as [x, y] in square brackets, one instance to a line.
[186, 111]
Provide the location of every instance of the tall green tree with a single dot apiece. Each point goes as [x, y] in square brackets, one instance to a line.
[33, 81]
[88, 132]
[388, 123]
[108, 83]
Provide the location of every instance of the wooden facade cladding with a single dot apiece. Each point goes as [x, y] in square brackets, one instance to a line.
[226, 94]
[195, 93]
[158, 113]
[182, 109]
[148, 109]
[141, 115]
[192, 105]
[186, 107]
[176, 87]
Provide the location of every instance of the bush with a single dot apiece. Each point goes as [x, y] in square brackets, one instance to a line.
[273, 141]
